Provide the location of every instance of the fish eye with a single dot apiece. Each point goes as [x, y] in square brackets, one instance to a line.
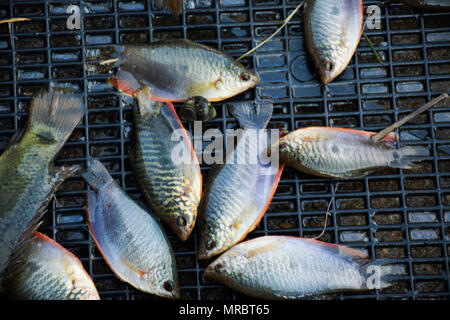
[210, 244]
[245, 76]
[219, 268]
[168, 286]
[181, 221]
[329, 66]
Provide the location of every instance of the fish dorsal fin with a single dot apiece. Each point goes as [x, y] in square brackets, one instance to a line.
[342, 251]
[252, 114]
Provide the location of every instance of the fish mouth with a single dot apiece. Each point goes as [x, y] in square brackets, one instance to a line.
[209, 272]
[204, 254]
[183, 231]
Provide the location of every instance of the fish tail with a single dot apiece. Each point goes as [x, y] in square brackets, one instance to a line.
[103, 60]
[97, 175]
[54, 115]
[175, 6]
[378, 274]
[252, 114]
[402, 157]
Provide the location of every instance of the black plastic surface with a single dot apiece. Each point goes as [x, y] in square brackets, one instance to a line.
[399, 215]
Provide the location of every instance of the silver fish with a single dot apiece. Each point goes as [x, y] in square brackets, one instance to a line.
[41, 269]
[130, 239]
[283, 267]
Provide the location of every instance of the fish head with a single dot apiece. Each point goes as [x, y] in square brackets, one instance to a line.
[210, 246]
[331, 63]
[167, 288]
[234, 78]
[231, 265]
[184, 222]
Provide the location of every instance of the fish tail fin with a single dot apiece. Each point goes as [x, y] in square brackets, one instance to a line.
[103, 60]
[54, 115]
[97, 175]
[252, 114]
[378, 274]
[402, 157]
[175, 6]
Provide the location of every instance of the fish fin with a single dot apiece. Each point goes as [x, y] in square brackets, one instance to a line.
[401, 157]
[54, 115]
[147, 107]
[175, 6]
[103, 60]
[342, 251]
[59, 175]
[96, 175]
[378, 274]
[251, 114]
[125, 82]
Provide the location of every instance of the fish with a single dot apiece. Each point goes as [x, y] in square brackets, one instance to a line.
[28, 178]
[443, 5]
[342, 153]
[175, 70]
[44, 270]
[238, 192]
[129, 237]
[333, 30]
[170, 183]
[286, 267]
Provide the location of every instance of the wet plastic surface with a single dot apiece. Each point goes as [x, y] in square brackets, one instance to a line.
[399, 215]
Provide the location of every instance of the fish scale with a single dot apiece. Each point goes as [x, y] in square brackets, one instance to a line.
[238, 193]
[333, 30]
[175, 70]
[172, 190]
[283, 267]
[341, 153]
[27, 175]
[130, 238]
[44, 270]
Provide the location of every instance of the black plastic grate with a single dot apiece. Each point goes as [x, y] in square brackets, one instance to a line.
[401, 215]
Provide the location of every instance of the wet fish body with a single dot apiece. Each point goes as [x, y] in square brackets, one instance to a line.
[27, 175]
[43, 270]
[283, 267]
[341, 153]
[238, 193]
[176, 70]
[171, 186]
[130, 238]
[333, 30]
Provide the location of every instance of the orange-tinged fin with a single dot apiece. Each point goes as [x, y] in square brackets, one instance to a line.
[125, 82]
[392, 137]
[263, 211]
[170, 108]
[343, 251]
[92, 205]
